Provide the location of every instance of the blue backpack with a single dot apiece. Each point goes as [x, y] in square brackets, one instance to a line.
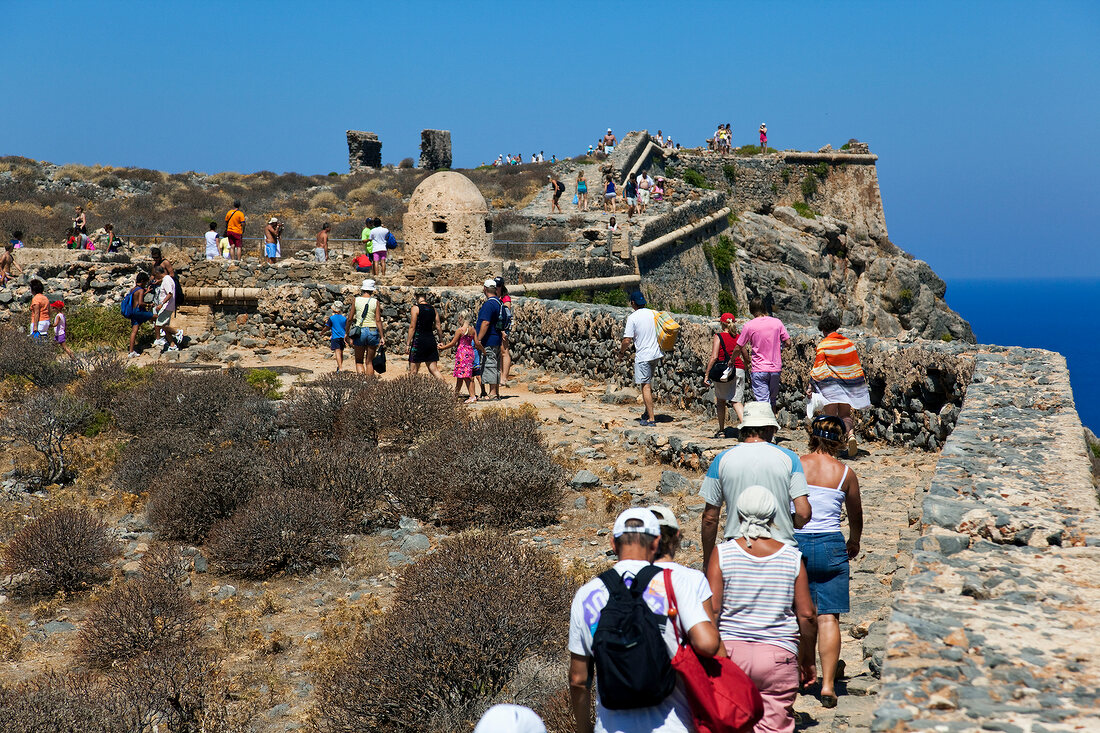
[127, 305]
[391, 241]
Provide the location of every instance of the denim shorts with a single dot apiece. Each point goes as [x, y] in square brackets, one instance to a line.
[827, 569]
[367, 337]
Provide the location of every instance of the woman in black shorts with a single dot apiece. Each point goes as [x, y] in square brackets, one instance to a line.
[424, 327]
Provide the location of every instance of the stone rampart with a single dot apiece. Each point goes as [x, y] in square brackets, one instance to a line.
[846, 185]
[995, 625]
[364, 151]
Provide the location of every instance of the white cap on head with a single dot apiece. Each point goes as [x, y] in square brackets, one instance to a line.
[273, 220]
[759, 415]
[368, 285]
[507, 718]
[491, 284]
[647, 518]
[665, 516]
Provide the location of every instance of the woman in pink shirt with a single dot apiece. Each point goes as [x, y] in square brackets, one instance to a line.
[765, 337]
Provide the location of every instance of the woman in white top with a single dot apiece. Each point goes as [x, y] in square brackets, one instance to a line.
[212, 250]
[832, 486]
[767, 620]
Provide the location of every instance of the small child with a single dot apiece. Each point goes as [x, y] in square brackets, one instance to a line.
[338, 323]
[467, 357]
[612, 226]
[57, 312]
[17, 239]
[213, 251]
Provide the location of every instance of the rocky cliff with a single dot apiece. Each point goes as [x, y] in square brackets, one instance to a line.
[806, 266]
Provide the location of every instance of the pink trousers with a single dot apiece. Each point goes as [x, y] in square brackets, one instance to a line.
[774, 671]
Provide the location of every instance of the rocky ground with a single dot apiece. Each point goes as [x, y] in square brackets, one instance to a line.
[274, 633]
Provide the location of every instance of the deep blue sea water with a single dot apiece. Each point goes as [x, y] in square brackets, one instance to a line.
[1060, 315]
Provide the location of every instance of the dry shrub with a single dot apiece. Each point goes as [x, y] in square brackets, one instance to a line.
[289, 529]
[315, 406]
[45, 420]
[144, 614]
[401, 410]
[52, 703]
[62, 550]
[34, 360]
[11, 641]
[439, 654]
[189, 496]
[492, 470]
[208, 403]
[104, 376]
[325, 200]
[347, 474]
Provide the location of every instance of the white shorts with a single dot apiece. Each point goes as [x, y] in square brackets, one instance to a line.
[643, 371]
[731, 391]
[643, 196]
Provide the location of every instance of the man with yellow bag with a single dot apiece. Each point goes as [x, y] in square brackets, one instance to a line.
[641, 329]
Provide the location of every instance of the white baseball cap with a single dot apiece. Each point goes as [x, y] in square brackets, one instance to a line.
[665, 516]
[273, 220]
[645, 516]
[507, 718]
[759, 415]
[368, 285]
[491, 284]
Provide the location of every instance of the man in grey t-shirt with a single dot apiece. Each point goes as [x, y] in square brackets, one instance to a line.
[754, 462]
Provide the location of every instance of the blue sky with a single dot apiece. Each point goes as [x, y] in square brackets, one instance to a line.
[984, 114]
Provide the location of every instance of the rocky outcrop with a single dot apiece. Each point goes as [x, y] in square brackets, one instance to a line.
[807, 266]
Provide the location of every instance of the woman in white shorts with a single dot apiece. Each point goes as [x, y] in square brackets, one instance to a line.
[733, 389]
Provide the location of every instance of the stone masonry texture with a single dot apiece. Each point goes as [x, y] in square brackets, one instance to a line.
[995, 627]
[364, 150]
[435, 149]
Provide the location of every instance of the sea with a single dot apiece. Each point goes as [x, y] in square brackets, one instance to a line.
[1060, 315]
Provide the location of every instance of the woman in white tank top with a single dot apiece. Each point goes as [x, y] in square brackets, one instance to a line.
[832, 486]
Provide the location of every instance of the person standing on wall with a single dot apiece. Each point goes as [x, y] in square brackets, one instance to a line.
[763, 138]
[234, 228]
[765, 336]
[641, 330]
[271, 240]
[320, 252]
[378, 236]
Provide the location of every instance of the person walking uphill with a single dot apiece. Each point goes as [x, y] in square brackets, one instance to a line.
[765, 335]
[732, 390]
[767, 619]
[832, 485]
[368, 333]
[234, 229]
[489, 336]
[754, 462]
[641, 329]
[637, 690]
[838, 377]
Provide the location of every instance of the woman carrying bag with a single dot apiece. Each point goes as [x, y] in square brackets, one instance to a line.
[728, 383]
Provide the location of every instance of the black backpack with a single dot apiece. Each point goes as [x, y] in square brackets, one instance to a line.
[559, 187]
[633, 669]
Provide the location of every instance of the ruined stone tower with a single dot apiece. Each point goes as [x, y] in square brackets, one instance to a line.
[364, 150]
[448, 219]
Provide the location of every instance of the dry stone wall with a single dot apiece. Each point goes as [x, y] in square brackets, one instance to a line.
[994, 628]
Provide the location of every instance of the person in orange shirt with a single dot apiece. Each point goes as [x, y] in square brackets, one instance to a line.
[234, 229]
[40, 310]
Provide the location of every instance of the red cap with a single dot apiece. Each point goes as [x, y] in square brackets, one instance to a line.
[727, 317]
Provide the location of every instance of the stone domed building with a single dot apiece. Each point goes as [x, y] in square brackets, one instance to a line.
[448, 219]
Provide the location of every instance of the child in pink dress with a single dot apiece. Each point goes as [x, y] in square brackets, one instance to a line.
[466, 341]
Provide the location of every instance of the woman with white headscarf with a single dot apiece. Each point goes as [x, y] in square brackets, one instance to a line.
[767, 620]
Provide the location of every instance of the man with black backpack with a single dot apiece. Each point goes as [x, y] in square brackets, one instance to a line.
[620, 625]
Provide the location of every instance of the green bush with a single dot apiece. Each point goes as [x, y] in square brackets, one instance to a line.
[97, 325]
[774, 189]
[809, 187]
[721, 255]
[730, 172]
[732, 218]
[266, 382]
[821, 170]
[785, 174]
[845, 146]
[947, 337]
[616, 296]
[694, 178]
[577, 295]
[804, 210]
[693, 308]
[727, 303]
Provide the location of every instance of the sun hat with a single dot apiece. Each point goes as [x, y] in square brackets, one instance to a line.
[368, 284]
[726, 318]
[647, 518]
[759, 415]
[508, 718]
[490, 283]
[637, 298]
[273, 220]
[57, 304]
[756, 508]
[665, 516]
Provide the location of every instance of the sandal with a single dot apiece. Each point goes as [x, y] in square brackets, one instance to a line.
[470, 401]
[828, 701]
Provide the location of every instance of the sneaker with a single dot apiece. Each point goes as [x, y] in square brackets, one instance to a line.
[134, 355]
[648, 423]
[179, 335]
[160, 342]
[173, 347]
[853, 451]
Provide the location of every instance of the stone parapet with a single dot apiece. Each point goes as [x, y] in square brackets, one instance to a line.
[994, 628]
